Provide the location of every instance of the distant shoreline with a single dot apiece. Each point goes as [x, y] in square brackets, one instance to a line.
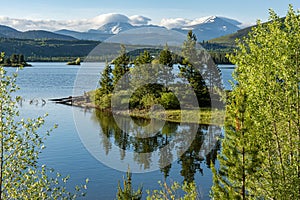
[18, 65]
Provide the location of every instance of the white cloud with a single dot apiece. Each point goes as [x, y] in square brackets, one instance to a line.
[78, 25]
[109, 18]
[174, 22]
[181, 22]
[139, 20]
[27, 24]
[98, 21]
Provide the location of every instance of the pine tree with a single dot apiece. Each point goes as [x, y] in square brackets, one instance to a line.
[106, 82]
[121, 67]
[127, 193]
[14, 58]
[144, 58]
[166, 60]
[191, 68]
[102, 97]
[165, 57]
[239, 159]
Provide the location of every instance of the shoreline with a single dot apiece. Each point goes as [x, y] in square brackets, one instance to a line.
[203, 116]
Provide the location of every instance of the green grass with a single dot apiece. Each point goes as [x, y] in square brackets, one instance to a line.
[201, 116]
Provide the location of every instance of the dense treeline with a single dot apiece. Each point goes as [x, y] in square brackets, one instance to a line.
[218, 52]
[211, 46]
[15, 60]
[220, 58]
[49, 50]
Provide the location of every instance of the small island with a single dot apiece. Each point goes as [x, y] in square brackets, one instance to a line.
[15, 60]
[76, 62]
[150, 80]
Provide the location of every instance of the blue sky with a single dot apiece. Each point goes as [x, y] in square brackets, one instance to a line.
[245, 11]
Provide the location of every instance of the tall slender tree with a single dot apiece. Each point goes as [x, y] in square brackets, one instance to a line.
[166, 70]
[191, 68]
[121, 67]
[102, 95]
[106, 81]
[239, 159]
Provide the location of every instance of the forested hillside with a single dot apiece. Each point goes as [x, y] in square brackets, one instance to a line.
[47, 50]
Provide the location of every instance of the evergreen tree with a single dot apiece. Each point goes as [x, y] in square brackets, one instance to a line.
[128, 193]
[121, 67]
[2, 57]
[21, 59]
[191, 68]
[189, 51]
[166, 60]
[165, 57]
[145, 95]
[239, 159]
[14, 59]
[7, 62]
[106, 82]
[144, 58]
[102, 96]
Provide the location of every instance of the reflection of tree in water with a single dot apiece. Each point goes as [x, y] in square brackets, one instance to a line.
[106, 122]
[166, 155]
[211, 145]
[190, 159]
[202, 148]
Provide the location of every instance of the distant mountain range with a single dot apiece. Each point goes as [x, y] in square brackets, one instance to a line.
[90, 35]
[209, 28]
[8, 32]
[205, 29]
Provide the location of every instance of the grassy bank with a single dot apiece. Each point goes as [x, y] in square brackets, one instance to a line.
[201, 116]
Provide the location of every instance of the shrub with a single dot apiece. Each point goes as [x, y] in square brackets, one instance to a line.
[169, 101]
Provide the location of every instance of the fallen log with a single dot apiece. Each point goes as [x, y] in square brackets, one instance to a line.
[78, 101]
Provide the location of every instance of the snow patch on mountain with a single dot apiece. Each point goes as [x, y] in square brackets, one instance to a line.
[115, 27]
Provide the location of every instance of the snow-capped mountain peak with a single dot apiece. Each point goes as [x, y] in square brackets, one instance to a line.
[205, 28]
[210, 27]
[115, 27]
[203, 20]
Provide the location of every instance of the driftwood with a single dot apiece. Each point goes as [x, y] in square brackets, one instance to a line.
[78, 101]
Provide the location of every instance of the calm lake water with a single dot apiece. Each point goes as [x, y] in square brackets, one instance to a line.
[92, 146]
